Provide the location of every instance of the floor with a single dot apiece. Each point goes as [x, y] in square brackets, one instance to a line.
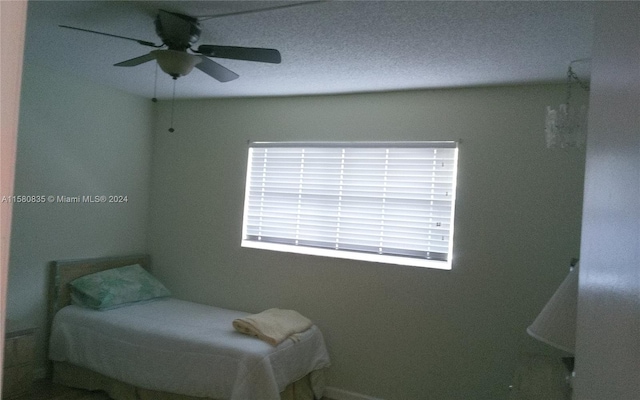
[46, 390]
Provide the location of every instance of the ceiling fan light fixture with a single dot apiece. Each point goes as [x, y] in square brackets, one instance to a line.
[176, 63]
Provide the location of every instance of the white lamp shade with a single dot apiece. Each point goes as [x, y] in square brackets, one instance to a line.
[556, 323]
[176, 63]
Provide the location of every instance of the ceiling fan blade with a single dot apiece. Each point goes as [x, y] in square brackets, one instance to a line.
[216, 70]
[241, 53]
[142, 42]
[186, 18]
[136, 61]
[206, 17]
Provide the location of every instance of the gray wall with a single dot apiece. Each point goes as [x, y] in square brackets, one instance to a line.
[74, 139]
[393, 332]
[608, 335]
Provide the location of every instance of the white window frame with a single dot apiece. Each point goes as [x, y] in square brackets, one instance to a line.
[263, 179]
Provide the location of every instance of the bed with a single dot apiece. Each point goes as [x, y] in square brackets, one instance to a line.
[170, 349]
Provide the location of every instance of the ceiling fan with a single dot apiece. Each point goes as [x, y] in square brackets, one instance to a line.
[176, 57]
[175, 54]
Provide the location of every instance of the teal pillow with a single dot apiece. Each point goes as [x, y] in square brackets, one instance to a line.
[116, 287]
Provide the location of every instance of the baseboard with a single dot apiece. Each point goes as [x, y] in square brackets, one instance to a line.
[339, 394]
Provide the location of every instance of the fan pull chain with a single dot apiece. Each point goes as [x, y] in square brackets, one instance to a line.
[173, 101]
[155, 86]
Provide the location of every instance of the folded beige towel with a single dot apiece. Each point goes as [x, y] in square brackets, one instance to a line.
[273, 325]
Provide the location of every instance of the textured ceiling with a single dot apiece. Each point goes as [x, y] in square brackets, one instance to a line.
[327, 47]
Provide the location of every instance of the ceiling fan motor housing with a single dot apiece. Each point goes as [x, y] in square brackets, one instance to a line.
[177, 31]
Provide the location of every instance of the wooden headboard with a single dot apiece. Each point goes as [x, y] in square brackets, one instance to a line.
[63, 272]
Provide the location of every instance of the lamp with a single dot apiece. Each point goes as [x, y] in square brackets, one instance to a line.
[556, 323]
[566, 126]
[175, 63]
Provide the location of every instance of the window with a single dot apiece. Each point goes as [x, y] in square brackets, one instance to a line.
[387, 202]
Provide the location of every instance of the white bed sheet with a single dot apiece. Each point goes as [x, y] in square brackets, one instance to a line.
[186, 348]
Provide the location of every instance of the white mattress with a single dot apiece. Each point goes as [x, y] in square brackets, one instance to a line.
[182, 347]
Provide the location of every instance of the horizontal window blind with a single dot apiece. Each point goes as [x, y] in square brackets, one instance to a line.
[387, 199]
